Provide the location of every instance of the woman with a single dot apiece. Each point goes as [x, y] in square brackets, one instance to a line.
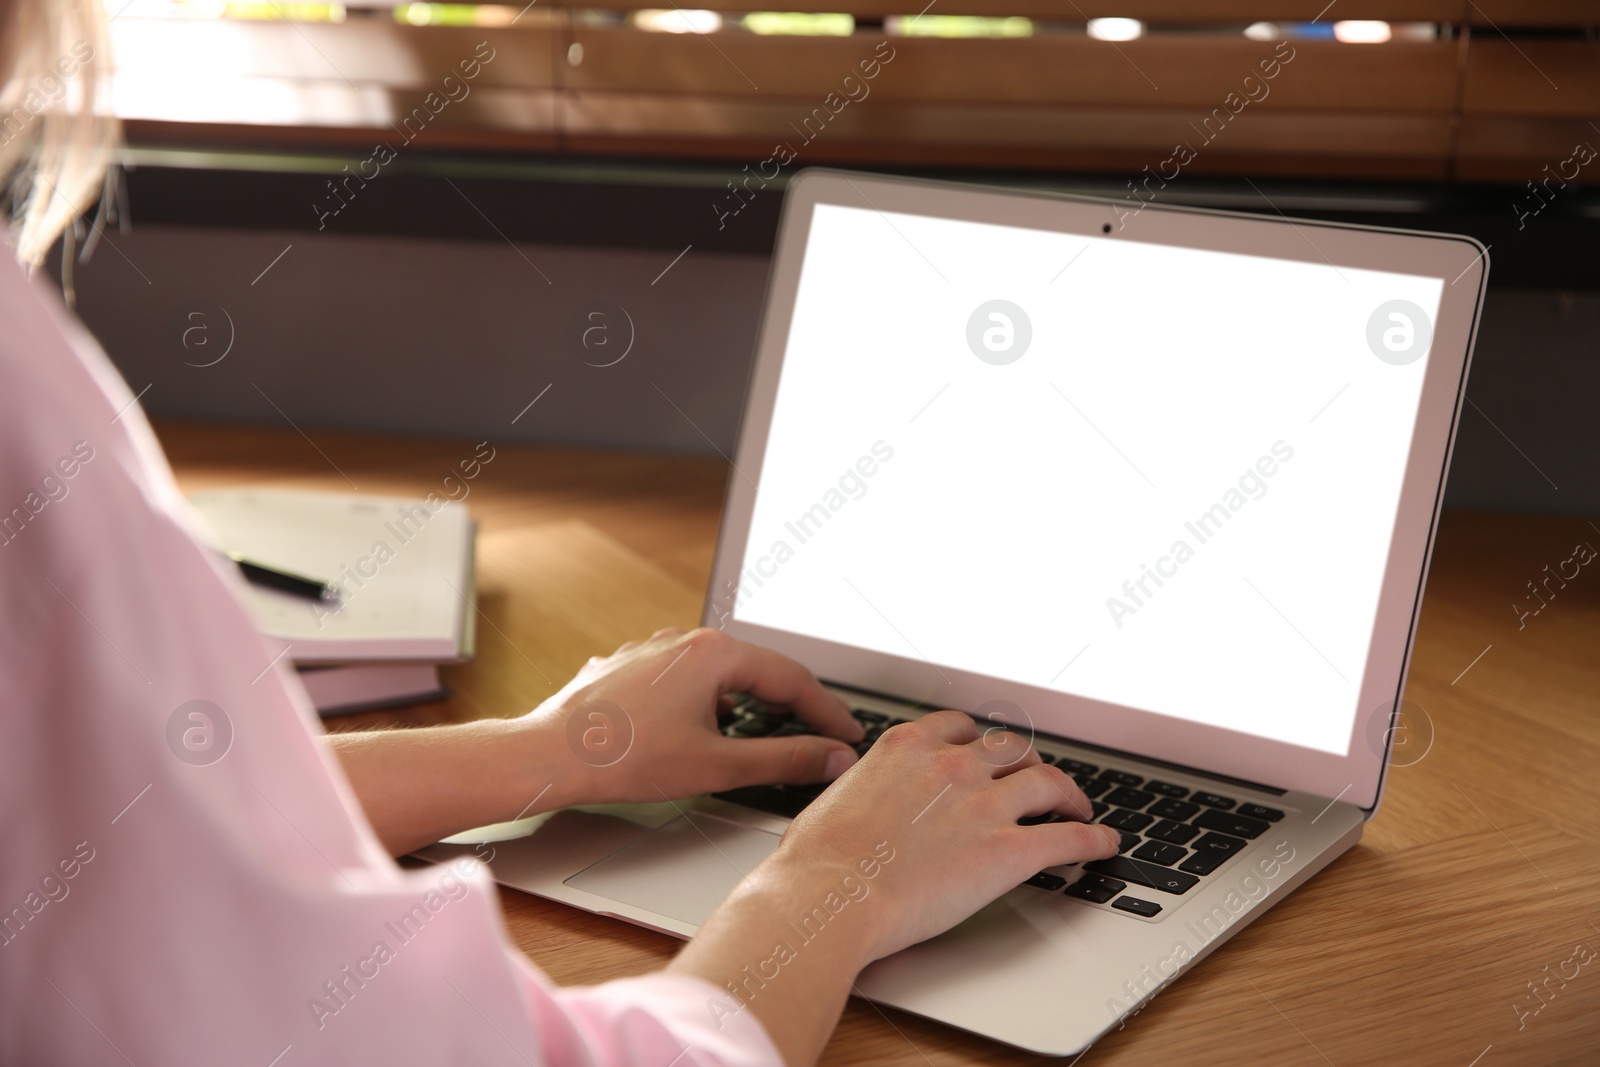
[192, 873]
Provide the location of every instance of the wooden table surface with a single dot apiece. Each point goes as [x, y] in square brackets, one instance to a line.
[1476, 883]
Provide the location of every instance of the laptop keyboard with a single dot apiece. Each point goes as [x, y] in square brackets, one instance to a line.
[1172, 837]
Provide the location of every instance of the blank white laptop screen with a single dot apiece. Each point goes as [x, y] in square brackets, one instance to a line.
[1159, 477]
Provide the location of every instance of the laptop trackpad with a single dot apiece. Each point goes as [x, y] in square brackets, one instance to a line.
[682, 870]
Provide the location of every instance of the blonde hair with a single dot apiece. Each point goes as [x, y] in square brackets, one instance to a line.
[57, 135]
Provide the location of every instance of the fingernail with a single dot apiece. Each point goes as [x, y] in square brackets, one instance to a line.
[1115, 836]
[839, 761]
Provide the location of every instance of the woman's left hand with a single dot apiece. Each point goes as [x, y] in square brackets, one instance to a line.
[637, 725]
[641, 723]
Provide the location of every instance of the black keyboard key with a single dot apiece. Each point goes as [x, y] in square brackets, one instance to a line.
[1220, 843]
[1099, 809]
[1149, 875]
[1228, 823]
[771, 799]
[1036, 820]
[1256, 811]
[794, 728]
[869, 739]
[1121, 777]
[754, 725]
[1044, 880]
[1203, 863]
[1045, 757]
[1149, 909]
[1096, 889]
[871, 718]
[1175, 833]
[1179, 810]
[1166, 789]
[1159, 852]
[1128, 798]
[1211, 800]
[1211, 852]
[1075, 767]
[1092, 787]
[1131, 821]
[1128, 841]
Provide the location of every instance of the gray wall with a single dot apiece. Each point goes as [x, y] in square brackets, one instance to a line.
[444, 338]
[1530, 438]
[454, 338]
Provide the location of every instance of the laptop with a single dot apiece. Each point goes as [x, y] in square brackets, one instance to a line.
[1155, 489]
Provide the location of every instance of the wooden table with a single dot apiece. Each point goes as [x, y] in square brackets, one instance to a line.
[1480, 875]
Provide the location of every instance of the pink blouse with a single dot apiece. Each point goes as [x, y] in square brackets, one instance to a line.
[185, 876]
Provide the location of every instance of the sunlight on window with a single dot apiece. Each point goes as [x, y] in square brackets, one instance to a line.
[270, 11]
[678, 20]
[171, 9]
[799, 23]
[242, 10]
[455, 14]
[1361, 31]
[1415, 31]
[957, 26]
[1116, 29]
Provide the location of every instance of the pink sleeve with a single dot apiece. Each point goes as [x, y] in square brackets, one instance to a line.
[659, 1018]
[187, 878]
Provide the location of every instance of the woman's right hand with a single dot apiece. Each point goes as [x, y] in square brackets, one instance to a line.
[916, 837]
[931, 812]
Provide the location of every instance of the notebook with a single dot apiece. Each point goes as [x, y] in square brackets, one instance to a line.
[370, 686]
[403, 568]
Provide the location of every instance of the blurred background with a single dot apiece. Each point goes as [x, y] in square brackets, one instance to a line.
[405, 218]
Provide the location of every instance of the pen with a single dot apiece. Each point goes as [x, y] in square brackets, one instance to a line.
[284, 581]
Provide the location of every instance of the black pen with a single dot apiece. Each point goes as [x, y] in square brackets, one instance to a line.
[283, 581]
